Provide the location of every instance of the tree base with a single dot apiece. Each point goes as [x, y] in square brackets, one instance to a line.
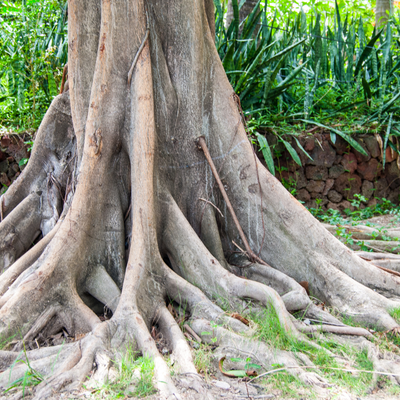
[116, 187]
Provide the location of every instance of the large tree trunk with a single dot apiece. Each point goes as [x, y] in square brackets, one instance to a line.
[115, 186]
[382, 10]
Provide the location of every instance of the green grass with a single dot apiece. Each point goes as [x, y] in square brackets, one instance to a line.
[395, 314]
[269, 330]
[333, 217]
[4, 342]
[128, 381]
[202, 359]
[31, 377]
[353, 218]
[289, 385]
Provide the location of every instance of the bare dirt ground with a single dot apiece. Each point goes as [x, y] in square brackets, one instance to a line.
[239, 390]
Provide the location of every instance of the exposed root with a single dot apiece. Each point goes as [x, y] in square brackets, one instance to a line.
[25, 261]
[72, 370]
[383, 260]
[235, 288]
[46, 362]
[384, 362]
[104, 372]
[101, 286]
[105, 200]
[293, 295]
[378, 246]
[377, 256]
[192, 333]
[19, 229]
[181, 354]
[362, 232]
[233, 345]
[339, 330]
[321, 316]
[39, 325]
[147, 346]
[197, 303]
[7, 358]
[198, 266]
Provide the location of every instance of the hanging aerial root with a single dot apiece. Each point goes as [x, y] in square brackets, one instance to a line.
[139, 50]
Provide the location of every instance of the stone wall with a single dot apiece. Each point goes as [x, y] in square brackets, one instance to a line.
[337, 171]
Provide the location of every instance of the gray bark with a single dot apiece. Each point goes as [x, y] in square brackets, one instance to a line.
[116, 179]
[383, 9]
[246, 9]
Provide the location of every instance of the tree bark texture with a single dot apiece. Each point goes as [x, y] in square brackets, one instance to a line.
[383, 9]
[245, 10]
[115, 192]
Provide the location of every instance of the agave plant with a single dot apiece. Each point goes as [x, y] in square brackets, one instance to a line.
[310, 71]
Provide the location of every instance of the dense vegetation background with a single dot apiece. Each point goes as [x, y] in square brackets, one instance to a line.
[33, 51]
[294, 65]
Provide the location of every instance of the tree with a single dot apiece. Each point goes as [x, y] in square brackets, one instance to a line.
[244, 11]
[120, 188]
[382, 10]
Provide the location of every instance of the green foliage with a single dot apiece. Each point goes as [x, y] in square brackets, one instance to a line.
[269, 330]
[202, 359]
[33, 51]
[333, 217]
[135, 378]
[353, 217]
[395, 313]
[318, 69]
[144, 386]
[30, 378]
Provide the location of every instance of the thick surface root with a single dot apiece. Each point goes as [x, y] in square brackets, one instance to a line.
[233, 345]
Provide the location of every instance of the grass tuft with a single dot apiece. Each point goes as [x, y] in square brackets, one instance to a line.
[135, 378]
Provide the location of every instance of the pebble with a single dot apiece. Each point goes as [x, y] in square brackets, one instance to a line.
[221, 384]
